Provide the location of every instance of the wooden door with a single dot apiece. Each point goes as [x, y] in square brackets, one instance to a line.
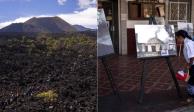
[131, 42]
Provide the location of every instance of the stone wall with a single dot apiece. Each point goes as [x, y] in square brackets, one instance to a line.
[123, 10]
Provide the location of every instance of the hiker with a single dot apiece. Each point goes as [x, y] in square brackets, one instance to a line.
[188, 52]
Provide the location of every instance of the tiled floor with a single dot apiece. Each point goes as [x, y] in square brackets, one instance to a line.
[126, 71]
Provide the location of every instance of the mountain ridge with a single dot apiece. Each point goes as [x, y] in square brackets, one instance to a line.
[44, 25]
[81, 28]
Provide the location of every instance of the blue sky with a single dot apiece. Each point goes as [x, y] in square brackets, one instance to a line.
[81, 12]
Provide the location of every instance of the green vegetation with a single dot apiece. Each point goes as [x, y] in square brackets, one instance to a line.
[49, 45]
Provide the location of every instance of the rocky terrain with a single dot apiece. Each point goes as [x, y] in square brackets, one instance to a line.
[48, 75]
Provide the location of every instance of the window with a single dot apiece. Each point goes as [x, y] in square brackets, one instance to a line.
[146, 48]
[153, 48]
[179, 11]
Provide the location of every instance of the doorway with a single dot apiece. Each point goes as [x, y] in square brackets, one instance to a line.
[111, 12]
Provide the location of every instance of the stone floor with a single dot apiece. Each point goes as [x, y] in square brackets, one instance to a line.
[184, 109]
[160, 92]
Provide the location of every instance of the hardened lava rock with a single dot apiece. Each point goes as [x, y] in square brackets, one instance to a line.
[28, 68]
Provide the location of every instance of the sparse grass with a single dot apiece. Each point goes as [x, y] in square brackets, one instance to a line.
[48, 96]
[51, 44]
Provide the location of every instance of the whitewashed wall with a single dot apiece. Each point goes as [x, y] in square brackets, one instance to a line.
[131, 23]
[192, 12]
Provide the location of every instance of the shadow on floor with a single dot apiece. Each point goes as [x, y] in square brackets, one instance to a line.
[160, 101]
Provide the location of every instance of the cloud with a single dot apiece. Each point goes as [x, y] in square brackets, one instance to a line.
[87, 18]
[86, 3]
[18, 20]
[61, 2]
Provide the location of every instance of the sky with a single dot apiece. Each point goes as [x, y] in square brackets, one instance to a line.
[82, 12]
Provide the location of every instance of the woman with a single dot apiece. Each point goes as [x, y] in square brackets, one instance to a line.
[188, 51]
